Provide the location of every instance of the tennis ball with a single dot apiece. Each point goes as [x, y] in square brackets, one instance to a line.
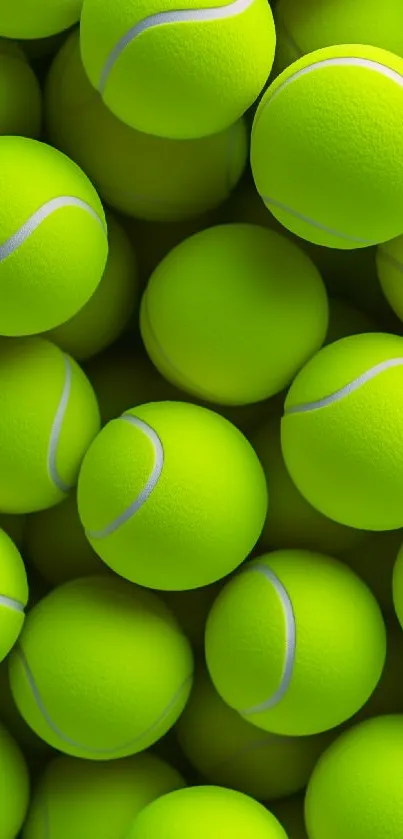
[397, 585]
[20, 94]
[373, 559]
[387, 697]
[269, 315]
[56, 544]
[14, 527]
[25, 19]
[178, 74]
[14, 786]
[292, 522]
[138, 174]
[49, 416]
[389, 263]
[80, 798]
[29, 742]
[172, 496]
[13, 594]
[342, 418]
[102, 669]
[106, 314]
[53, 237]
[303, 28]
[323, 150]
[197, 812]
[229, 751]
[276, 625]
[355, 788]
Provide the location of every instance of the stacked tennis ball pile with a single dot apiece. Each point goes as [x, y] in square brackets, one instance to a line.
[201, 419]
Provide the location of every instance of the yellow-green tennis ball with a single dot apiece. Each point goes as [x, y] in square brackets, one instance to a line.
[313, 24]
[198, 812]
[373, 559]
[323, 150]
[355, 788]
[232, 313]
[56, 544]
[172, 496]
[81, 798]
[138, 174]
[20, 94]
[102, 669]
[389, 263]
[229, 751]
[53, 243]
[387, 697]
[285, 618]
[48, 417]
[14, 786]
[13, 594]
[106, 314]
[26, 20]
[397, 586]
[341, 431]
[177, 74]
[292, 522]
[10, 716]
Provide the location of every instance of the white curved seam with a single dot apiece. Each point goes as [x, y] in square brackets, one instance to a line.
[313, 223]
[162, 18]
[56, 429]
[290, 643]
[18, 238]
[147, 489]
[10, 603]
[347, 390]
[65, 739]
[391, 260]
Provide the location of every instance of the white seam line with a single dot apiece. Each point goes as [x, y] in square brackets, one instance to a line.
[161, 18]
[391, 260]
[42, 709]
[18, 238]
[148, 488]
[10, 603]
[313, 223]
[57, 429]
[345, 391]
[290, 642]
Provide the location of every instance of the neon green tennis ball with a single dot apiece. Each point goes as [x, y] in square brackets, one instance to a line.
[341, 431]
[13, 594]
[233, 312]
[48, 417]
[277, 625]
[20, 94]
[323, 152]
[197, 812]
[355, 788]
[24, 19]
[228, 750]
[178, 74]
[106, 314]
[81, 798]
[138, 174]
[53, 243]
[102, 669]
[389, 263]
[172, 496]
[14, 786]
[313, 24]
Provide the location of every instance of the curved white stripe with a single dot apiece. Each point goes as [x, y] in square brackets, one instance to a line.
[83, 747]
[290, 642]
[148, 488]
[57, 429]
[345, 391]
[179, 16]
[18, 238]
[10, 603]
[391, 260]
[267, 200]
